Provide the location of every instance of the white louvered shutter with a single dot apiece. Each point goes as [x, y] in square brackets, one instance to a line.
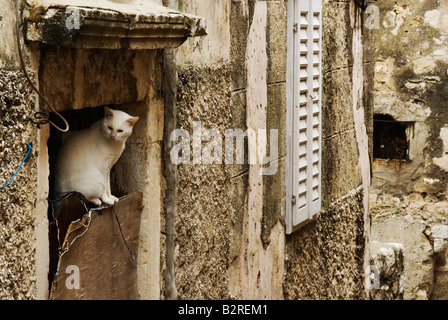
[306, 124]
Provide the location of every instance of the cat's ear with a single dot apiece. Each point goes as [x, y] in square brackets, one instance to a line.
[132, 121]
[108, 113]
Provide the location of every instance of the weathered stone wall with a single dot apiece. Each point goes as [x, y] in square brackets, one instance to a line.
[325, 259]
[411, 85]
[229, 223]
[17, 201]
[211, 228]
[387, 271]
[76, 79]
[230, 237]
[203, 220]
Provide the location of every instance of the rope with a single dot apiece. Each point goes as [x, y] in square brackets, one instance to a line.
[27, 154]
[122, 235]
[41, 117]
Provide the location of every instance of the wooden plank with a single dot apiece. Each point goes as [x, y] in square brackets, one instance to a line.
[96, 248]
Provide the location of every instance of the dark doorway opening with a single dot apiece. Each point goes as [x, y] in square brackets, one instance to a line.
[77, 120]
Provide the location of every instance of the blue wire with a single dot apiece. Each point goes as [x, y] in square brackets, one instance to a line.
[10, 181]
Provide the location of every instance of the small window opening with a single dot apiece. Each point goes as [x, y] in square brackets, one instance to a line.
[391, 138]
[78, 120]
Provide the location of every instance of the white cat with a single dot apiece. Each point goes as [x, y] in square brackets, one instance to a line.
[84, 161]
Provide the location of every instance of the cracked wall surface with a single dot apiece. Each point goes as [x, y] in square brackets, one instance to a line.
[238, 248]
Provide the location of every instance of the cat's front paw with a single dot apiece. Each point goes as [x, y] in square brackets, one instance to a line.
[108, 201]
[115, 199]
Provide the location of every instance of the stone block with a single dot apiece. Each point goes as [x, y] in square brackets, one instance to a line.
[238, 121]
[238, 44]
[213, 48]
[337, 35]
[339, 165]
[440, 245]
[19, 259]
[276, 41]
[105, 25]
[276, 114]
[337, 110]
[440, 231]
[323, 258]
[77, 78]
[421, 295]
[206, 198]
[418, 252]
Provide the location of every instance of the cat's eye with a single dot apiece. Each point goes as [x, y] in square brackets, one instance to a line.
[110, 128]
[119, 130]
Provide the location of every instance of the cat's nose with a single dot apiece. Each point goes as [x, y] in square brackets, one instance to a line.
[112, 137]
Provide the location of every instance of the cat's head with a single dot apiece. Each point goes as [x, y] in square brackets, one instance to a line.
[117, 125]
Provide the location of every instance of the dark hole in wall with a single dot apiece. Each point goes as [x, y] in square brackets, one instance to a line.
[77, 120]
[390, 140]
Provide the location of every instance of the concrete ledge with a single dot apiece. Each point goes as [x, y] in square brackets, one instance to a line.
[102, 24]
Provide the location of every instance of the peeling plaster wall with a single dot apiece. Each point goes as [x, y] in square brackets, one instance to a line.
[411, 85]
[215, 47]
